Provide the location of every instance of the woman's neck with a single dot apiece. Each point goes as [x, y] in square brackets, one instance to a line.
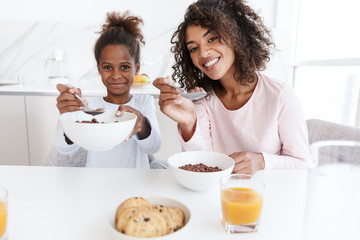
[236, 94]
[234, 87]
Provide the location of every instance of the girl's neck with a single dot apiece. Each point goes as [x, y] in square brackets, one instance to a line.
[123, 99]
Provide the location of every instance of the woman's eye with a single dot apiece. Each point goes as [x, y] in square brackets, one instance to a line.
[213, 39]
[193, 49]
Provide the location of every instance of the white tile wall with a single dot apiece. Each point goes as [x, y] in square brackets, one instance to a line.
[30, 32]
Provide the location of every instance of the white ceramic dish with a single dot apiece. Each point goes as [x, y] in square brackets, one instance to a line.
[200, 181]
[97, 136]
[168, 202]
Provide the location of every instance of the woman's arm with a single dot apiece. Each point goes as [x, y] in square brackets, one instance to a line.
[201, 138]
[293, 135]
[176, 107]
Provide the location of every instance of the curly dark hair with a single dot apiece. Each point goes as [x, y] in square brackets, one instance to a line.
[120, 29]
[238, 26]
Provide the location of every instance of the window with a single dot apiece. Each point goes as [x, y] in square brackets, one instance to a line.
[327, 60]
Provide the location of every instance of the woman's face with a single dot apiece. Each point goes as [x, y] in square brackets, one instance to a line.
[117, 69]
[212, 57]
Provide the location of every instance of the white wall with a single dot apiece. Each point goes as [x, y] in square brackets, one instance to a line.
[161, 17]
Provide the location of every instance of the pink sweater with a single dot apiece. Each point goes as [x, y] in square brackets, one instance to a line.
[271, 122]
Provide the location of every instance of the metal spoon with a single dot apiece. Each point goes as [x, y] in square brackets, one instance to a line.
[87, 109]
[189, 95]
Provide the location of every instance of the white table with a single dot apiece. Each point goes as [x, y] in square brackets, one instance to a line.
[75, 203]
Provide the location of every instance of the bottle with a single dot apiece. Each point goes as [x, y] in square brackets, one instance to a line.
[56, 66]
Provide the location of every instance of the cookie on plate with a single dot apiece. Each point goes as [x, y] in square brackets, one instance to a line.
[174, 217]
[146, 223]
[131, 202]
[125, 215]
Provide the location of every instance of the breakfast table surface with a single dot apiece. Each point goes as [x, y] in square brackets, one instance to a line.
[76, 203]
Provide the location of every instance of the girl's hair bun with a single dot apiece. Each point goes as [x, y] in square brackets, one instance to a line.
[123, 29]
[126, 22]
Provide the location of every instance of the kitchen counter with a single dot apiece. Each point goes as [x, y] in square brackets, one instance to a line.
[88, 90]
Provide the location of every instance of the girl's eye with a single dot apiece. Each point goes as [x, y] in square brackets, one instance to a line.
[107, 67]
[125, 67]
[212, 39]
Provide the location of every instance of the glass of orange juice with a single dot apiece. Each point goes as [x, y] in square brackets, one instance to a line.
[241, 202]
[3, 213]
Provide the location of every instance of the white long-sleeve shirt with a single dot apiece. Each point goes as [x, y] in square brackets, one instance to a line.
[271, 122]
[131, 154]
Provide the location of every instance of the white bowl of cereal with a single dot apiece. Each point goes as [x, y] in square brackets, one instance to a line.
[97, 133]
[157, 218]
[200, 170]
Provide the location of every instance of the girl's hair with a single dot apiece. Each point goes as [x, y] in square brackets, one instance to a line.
[120, 29]
[238, 26]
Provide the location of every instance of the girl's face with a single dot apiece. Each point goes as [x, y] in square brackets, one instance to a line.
[117, 69]
[212, 57]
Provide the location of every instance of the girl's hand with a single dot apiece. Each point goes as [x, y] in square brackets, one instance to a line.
[247, 162]
[66, 101]
[179, 109]
[141, 128]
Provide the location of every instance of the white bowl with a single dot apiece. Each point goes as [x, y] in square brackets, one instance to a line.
[200, 181]
[97, 136]
[168, 202]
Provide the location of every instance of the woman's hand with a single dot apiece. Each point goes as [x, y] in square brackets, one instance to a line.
[141, 128]
[247, 162]
[179, 109]
[66, 101]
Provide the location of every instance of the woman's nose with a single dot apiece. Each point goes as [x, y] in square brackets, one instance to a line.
[204, 51]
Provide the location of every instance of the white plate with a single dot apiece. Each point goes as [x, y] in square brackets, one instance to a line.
[168, 202]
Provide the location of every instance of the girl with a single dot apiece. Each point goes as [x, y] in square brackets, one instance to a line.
[117, 53]
[220, 47]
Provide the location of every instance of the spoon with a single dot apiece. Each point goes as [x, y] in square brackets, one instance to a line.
[86, 107]
[189, 95]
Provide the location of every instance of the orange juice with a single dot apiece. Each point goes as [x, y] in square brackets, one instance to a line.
[3, 213]
[240, 206]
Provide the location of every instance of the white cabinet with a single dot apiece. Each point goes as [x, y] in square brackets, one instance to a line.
[27, 128]
[42, 116]
[13, 131]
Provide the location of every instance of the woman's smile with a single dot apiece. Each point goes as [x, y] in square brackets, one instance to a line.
[212, 62]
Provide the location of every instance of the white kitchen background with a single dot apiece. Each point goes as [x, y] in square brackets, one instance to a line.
[32, 30]
[317, 45]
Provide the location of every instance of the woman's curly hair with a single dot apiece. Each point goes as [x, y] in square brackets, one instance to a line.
[120, 29]
[238, 26]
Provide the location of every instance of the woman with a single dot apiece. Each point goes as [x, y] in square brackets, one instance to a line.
[117, 53]
[220, 47]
